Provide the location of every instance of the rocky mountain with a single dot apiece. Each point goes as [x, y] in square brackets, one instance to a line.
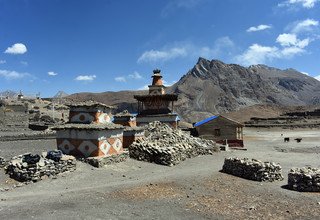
[213, 87]
[60, 94]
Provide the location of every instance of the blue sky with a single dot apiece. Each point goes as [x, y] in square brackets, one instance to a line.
[112, 45]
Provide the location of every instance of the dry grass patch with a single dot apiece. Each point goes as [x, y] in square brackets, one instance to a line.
[152, 191]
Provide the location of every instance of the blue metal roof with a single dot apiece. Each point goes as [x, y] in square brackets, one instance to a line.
[205, 120]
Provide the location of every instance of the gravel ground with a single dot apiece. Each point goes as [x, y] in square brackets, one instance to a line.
[194, 189]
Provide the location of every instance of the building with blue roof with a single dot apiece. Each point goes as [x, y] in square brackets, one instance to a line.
[220, 129]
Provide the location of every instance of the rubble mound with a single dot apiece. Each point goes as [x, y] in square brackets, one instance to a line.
[252, 169]
[28, 167]
[304, 179]
[167, 146]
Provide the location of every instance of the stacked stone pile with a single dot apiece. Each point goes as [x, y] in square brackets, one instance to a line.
[252, 169]
[304, 179]
[28, 167]
[167, 146]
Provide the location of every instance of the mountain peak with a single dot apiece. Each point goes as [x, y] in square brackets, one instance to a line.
[202, 60]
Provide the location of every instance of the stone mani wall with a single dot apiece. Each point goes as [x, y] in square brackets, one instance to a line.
[39, 167]
[304, 179]
[252, 169]
[167, 146]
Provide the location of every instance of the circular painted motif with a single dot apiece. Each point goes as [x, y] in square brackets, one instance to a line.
[82, 118]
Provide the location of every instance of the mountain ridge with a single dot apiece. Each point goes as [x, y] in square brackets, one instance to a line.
[214, 87]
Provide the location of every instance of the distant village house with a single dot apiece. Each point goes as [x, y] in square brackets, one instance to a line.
[220, 129]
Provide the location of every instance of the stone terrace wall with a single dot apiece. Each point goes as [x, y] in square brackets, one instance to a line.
[304, 179]
[252, 169]
[13, 120]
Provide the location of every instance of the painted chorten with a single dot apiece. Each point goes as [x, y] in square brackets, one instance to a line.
[157, 105]
[90, 132]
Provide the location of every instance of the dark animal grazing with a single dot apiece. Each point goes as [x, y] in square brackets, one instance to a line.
[286, 139]
[298, 140]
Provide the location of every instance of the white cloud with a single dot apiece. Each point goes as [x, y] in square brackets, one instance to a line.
[188, 49]
[135, 75]
[289, 52]
[257, 54]
[260, 27]
[305, 73]
[120, 79]
[305, 25]
[3, 61]
[286, 40]
[24, 63]
[305, 3]
[87, 78]
[317, 77]
[162, 55]
[17, 48]
[12, 75]
[51, 73]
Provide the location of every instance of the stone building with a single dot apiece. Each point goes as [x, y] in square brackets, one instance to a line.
[90, 132]
[220, 129]
[157, 105]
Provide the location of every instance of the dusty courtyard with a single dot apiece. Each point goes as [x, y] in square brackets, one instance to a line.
[194, 189]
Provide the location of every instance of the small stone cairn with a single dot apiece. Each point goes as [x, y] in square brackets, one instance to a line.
[32, 168]
[304, 179]
[167, 146]
[252, 169]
